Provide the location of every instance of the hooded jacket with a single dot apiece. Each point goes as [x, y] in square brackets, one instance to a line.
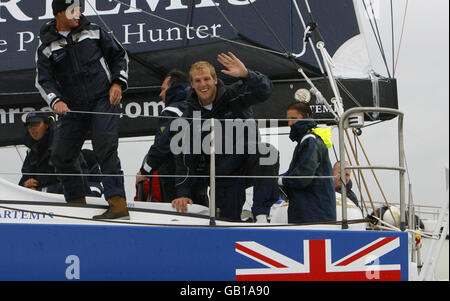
[350, 194]
[79, 68]
[38, 159]
[231, 102]
[310, 199]
[176, 105]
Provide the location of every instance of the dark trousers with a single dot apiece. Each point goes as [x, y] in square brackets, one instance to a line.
[70, 138]
[265, 190]
[230, 192]
[168, 190]
[230, 197]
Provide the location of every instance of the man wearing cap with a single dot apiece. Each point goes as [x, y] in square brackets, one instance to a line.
[39, 139]
[82, 68]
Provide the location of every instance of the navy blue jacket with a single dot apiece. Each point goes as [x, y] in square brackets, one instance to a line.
[175, 106]
[232, 102]
[310, 199]
[38, 159]
[79, 69]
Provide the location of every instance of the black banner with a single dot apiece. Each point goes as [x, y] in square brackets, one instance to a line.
[140, 108]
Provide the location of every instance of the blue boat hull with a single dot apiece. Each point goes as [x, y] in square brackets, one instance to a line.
[86, 252]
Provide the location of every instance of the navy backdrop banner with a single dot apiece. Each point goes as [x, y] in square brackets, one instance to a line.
[157, 42]
[160, 25]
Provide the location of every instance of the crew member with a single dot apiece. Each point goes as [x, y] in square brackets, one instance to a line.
[41, 129]
[81, 67]
[311, 197]
[212, 99]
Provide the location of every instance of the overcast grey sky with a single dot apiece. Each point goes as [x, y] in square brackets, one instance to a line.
[423, 89]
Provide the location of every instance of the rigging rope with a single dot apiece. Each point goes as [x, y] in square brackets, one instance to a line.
[309, 38]
[268, 27]
[376, 32]
[376, 180]
[225, 17]
[191, 28]
[392, 38]
[401, 36]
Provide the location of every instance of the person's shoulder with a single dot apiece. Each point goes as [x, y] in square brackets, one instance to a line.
[48, 33]
[89, 26]
[173, 110]
[309, 138]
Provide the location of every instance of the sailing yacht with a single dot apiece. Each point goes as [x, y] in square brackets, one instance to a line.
[315, 52]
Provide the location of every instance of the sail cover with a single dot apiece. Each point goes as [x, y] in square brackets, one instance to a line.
[162, 35]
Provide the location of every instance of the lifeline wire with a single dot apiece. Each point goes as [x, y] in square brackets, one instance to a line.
[238, 224]
[167, 176]
[170, 117]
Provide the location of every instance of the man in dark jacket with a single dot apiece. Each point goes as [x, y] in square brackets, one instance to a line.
[80, 67]
[311, 200]
[348, 182]
[212, 99]
[39, 139]
[159, 157]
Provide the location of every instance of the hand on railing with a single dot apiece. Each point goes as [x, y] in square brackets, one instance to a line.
[180, 204]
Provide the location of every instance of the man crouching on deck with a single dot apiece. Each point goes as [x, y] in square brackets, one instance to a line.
[80, 67]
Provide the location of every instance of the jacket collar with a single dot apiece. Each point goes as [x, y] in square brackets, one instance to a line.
[177, 93]
[49, 33]
[301, 128]
[218, 101]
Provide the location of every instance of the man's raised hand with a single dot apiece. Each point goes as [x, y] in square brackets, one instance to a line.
[234, 66]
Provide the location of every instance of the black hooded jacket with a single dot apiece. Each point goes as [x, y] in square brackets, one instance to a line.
[350, 194]
[38, 159]
[175, 107]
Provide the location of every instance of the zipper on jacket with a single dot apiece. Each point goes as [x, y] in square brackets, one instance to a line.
[76, 64]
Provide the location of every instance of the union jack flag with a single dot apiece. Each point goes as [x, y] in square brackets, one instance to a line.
[360, 265]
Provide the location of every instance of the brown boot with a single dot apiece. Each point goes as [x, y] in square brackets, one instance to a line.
[78, 201]
[117, 209]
